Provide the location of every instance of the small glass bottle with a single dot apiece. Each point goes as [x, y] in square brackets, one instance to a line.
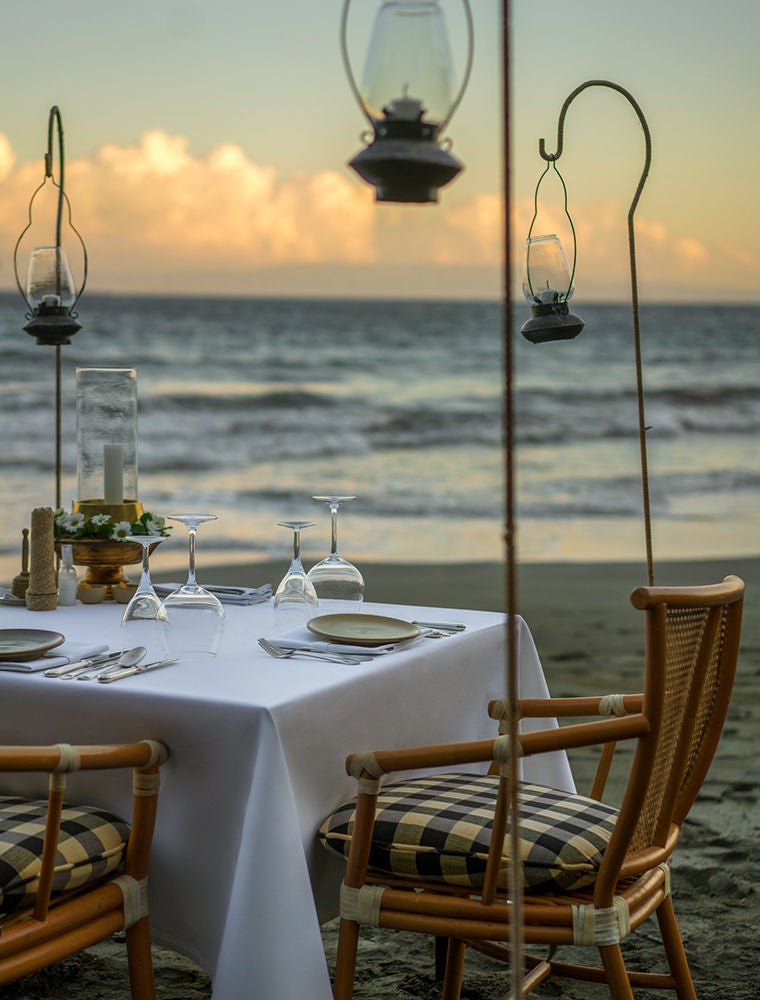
[67, 578]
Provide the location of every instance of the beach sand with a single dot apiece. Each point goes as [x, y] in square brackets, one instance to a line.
[590, 640]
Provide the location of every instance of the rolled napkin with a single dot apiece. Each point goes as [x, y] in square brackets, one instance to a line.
[227, 595]
[302, 638]
[42, 592]
[67, 652]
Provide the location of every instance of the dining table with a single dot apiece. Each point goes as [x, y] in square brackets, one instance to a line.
[238, 880]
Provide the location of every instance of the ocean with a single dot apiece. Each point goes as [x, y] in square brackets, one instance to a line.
[248, 407]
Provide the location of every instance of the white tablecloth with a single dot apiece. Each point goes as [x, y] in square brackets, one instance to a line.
[258, 747]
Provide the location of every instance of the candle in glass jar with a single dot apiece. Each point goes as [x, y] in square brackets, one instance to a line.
[113, 473]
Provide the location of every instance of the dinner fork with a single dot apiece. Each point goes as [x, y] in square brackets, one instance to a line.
[282, 654]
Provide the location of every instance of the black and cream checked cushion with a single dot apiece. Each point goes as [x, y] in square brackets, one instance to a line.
[438, 828]
[91, 845]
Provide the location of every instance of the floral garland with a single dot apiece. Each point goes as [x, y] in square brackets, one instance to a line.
[74, 525]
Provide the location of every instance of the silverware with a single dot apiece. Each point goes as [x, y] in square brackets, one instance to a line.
[282, 654]
[127, 658]
[140, 669]
[83, 664]
[443, 626]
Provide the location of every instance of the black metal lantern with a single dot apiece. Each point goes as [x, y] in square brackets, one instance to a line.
[406, 96]
[49, 290]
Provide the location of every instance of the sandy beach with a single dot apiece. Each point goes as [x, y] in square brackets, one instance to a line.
[590, 641]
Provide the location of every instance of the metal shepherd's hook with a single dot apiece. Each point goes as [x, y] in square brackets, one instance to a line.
[552, 158]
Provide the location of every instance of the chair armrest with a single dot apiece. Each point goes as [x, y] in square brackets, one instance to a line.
[64, 757]
[481, 751]
[555, 708]
[143, 758]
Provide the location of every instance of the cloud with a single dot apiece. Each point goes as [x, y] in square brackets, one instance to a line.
[154, 206]
[157, 217]
[7, 157]
[691, 251]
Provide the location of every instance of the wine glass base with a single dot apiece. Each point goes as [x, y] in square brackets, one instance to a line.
[340, 606]
[148, 632]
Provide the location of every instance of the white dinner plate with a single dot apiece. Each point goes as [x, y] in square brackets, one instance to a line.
[27, 643]
[362, 630]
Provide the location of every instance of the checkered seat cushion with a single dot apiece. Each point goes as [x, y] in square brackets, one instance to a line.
[439, 828]
[91, 845]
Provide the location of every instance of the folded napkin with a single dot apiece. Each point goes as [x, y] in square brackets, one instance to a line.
[302, 638]
[67, 652]
[6, 597]
[227, 595]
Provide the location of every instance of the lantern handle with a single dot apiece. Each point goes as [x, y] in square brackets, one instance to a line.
[347, 62]
[468, 66]
[54, 117]
[551, 165]
[352, 81]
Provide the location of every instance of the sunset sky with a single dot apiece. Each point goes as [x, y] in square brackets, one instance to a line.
[207, 140]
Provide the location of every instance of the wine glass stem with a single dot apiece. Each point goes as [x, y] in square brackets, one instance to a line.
[334, 530]
[145, 583]
[191, 568]
[295, 566]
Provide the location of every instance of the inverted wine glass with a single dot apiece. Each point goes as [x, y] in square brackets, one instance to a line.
[338, 583]
[195, 614]
[145, 621]
[295, 599]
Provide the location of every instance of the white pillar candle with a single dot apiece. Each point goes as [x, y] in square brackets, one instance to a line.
[113, 473]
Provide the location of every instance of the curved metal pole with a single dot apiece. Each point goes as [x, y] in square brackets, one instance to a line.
[55, 115]
[553, 157]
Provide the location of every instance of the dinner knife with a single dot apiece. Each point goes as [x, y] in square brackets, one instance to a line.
[117, 675]
[88, 661]
[446, 626]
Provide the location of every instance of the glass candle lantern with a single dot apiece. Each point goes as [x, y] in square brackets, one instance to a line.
[546, 271]
[409, 62]
[106, 436]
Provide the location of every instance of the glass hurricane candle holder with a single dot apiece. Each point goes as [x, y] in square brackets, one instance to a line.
[106, 437]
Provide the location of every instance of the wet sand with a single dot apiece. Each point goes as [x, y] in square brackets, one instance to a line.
[590, 641]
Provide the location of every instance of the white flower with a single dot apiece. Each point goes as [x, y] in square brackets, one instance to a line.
[100, 519]
[74, 520]
[154, 526]
[122, 529]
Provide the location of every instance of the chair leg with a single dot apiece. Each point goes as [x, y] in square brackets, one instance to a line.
[452, 983]
[617, 975]
[674, 950]
[345, 963]
[140, 961]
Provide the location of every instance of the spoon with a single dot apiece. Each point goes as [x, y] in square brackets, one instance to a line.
[128, 658]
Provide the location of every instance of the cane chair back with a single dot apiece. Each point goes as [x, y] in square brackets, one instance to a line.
[592, 873]
[692, 641]
[73, 875]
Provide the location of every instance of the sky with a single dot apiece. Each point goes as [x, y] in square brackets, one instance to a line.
[206, 148]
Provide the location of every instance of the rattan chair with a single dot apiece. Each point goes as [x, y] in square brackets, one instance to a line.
[73, 875]
[427, 853]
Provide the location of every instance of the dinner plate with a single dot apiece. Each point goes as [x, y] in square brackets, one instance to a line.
[362, 630]
[22, 644]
